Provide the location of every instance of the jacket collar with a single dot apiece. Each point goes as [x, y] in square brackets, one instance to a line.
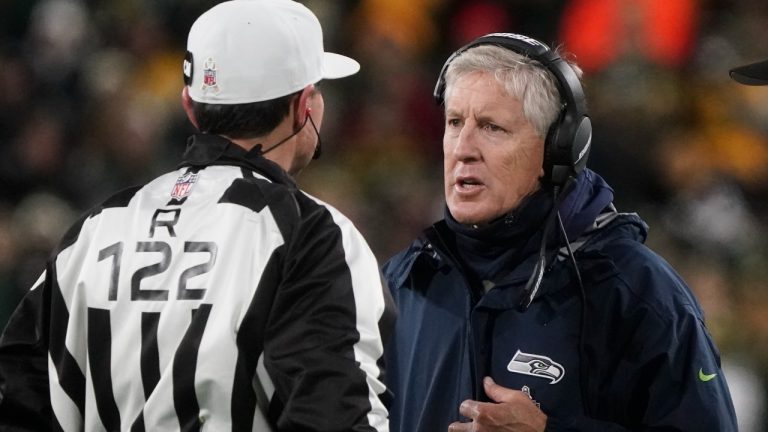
[206, 150]
[581, 211]
[427, 255]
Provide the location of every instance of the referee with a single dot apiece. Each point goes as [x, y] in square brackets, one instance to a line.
[218, 296]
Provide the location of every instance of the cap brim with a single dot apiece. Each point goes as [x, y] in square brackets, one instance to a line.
[752, 74]
[338, 66]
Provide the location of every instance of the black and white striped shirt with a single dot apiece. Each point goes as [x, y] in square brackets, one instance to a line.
[216, 297]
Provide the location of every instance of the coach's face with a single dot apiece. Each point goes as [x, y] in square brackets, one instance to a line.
[492, 154]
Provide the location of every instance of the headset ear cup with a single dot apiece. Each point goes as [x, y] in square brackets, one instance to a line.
[547, 163]
[582, 142]
[552, 150]
[566, 149]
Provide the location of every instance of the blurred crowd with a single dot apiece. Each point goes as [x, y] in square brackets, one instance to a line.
[89, 104]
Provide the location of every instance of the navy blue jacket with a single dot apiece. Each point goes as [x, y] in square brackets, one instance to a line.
[634, 354]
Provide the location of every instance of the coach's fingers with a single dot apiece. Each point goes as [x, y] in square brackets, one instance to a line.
[469, 408]
[460, 427]
[499, 393]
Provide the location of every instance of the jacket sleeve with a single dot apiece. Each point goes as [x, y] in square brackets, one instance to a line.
[324, 343]
[664, 371]
[25, 403]
[688, 390]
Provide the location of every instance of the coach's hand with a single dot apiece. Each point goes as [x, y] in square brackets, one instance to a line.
[513, 411]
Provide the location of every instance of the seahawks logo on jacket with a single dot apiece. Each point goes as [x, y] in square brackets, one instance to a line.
[536, 365]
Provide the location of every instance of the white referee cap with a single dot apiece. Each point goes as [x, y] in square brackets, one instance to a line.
[751, 74]
[244, 51]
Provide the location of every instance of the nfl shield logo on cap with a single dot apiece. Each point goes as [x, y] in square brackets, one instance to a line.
[209, 76]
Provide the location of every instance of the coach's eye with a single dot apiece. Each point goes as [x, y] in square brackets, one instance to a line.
[490, 127]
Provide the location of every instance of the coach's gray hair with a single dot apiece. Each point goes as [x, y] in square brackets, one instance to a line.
[523, 78]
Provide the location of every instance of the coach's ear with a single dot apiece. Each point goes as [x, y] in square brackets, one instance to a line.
[186, 102]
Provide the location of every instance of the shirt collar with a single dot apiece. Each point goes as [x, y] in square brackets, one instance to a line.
[206, 150]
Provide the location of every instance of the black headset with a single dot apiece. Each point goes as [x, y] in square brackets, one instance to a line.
[568, 140]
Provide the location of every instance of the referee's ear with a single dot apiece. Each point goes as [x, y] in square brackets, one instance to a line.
[186, 102]
[303, 105]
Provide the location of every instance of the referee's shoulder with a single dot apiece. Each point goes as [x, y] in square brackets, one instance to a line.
[118, 199]
[324, 215]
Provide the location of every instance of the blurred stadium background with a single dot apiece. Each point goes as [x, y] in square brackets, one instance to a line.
[89, 104]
